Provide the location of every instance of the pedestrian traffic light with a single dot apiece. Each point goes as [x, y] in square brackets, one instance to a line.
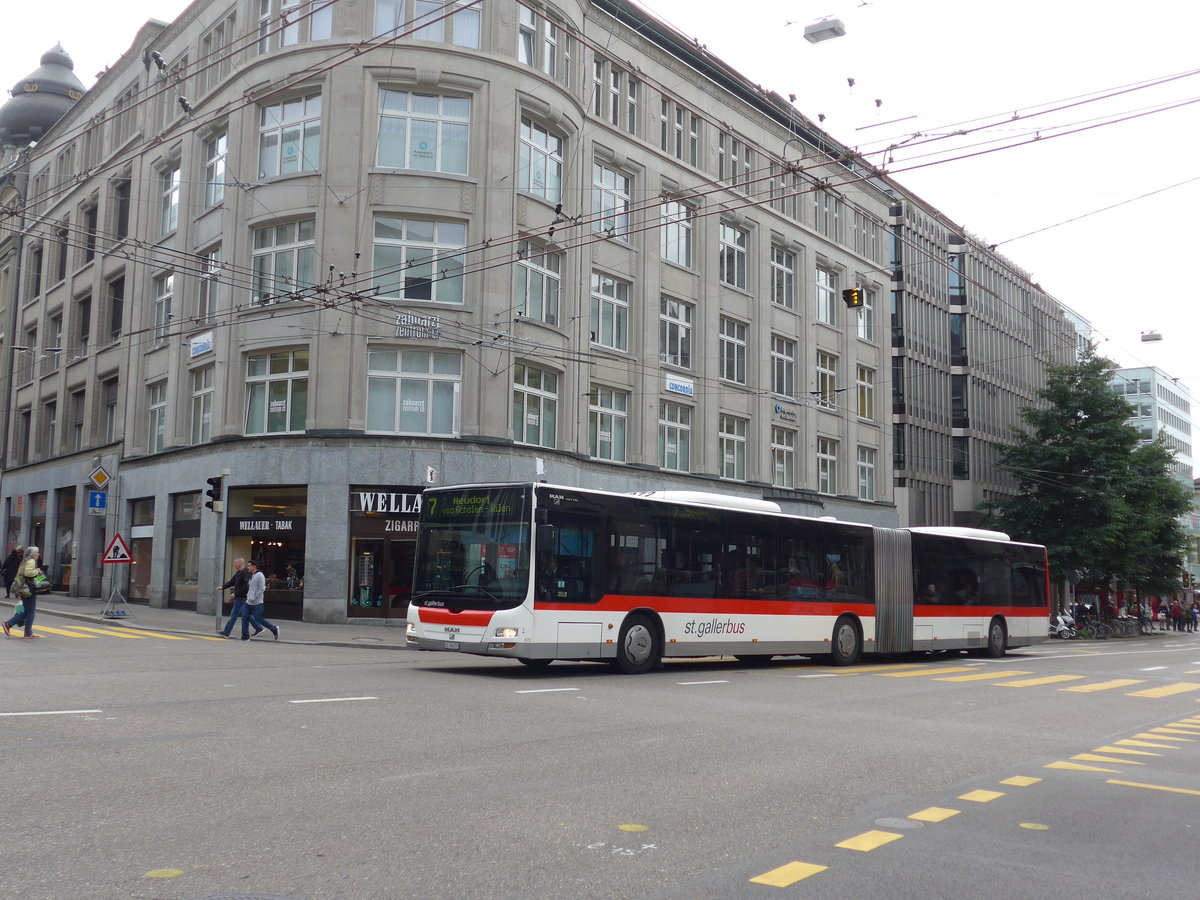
[853, 297]
[213, 493]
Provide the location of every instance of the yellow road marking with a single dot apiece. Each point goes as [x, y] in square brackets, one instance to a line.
[1130, 752]
[869, 840]
[60, 632]
[1128, 742]
[1034, 682]
[1104, 685]
[1080, 767]
[789, 874]
[156, 634]
[1155, 787]
[934, 814]
[981, 796]
[1166, 691]
[941, 671]
[207, 637]
[1093, 757]
[1165, 729]
[1162, 737]
[984, 676]
[107, 632]
[1021, 781]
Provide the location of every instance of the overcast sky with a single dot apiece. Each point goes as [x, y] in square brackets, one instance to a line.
[936, 67]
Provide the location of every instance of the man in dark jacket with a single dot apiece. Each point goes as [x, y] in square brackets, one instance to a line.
[9, 569]
[240, 582]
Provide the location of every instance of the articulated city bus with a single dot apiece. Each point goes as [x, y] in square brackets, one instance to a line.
[540, 572]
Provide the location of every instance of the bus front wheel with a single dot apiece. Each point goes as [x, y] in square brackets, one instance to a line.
[847, 646]
[997, 639]
[638, 649]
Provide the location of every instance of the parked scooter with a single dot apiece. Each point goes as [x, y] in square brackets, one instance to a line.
[1062, 626]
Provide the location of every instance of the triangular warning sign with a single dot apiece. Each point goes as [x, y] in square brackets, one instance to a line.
[117, 552]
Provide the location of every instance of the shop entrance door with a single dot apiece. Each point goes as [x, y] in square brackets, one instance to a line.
[380, 577]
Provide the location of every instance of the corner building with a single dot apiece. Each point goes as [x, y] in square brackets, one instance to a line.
[339, 249]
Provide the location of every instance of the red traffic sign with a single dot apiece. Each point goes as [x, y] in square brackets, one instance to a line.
[117, 551]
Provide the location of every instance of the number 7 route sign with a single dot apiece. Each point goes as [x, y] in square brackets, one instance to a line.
[117, 551]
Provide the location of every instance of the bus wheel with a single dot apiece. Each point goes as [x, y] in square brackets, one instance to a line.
[846, 644]
[536, 663]
[997, 639]
[638, 650]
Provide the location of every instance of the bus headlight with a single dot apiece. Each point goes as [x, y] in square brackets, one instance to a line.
[411, 628]
[506, 632]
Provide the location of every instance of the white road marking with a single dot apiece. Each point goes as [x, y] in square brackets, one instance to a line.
[333, 699]
[1152, 669]
[54, 712]
[546, 691]
[716, 681]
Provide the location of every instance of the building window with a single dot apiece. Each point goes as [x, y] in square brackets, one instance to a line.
[108, 405]
[156, 406]
[78, 417]
[960, 458]
[735, 161]
[675, 232]
[285, 23]
[168, 185]
[783, 366]
[866, 473]
[535, 406]
[164, 288]
[609, 318]
[958, 339]
[116, 307]
[783, 457]
[53, 348]
[826, 295]
[675, 332]
[289, 136]
[62, 250]
[50, 429]
[866, 393]
[679, 131]
[610, 201]
[413, 392]
[208, 299]
[632, 93]
[734, 242]
[552, 54]
[277, 392]
[615, 95]
[538, 282]
[202, 404]
[541, 161]
[783, 278]
[732, 437]
[121, 195]
[454, 22]
[217, 53]
[733, 351]
[608, 422]
[423, 132]
[419, 259]
[283, 261]
[83, 324]
[36, 261]
[866, 316]
[91, 223]
[215, 150]
[828, 214]
[826, 380]
[959, 403]
[827, 466]
[674, 436]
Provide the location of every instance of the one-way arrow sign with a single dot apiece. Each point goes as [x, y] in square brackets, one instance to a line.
[117, 552]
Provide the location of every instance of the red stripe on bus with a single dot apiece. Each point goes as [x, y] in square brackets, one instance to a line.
[714, 606]
[446, 617]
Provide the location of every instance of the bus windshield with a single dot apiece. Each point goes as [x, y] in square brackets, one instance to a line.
[473, 549]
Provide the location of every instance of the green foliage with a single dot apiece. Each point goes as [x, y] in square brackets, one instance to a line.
[1102, 504]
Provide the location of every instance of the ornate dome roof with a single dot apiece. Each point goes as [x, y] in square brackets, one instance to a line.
[40, 99]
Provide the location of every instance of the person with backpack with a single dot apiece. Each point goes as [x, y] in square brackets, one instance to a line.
[26, 595]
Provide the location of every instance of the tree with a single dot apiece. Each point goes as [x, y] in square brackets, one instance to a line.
[1103, 505]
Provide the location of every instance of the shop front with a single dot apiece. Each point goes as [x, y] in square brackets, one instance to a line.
[268, 524]
[185, 551]
[383, 541]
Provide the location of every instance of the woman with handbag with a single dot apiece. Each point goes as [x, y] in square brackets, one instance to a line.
[23, 587]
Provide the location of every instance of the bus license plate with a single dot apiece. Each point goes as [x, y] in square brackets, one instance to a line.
[451, 645]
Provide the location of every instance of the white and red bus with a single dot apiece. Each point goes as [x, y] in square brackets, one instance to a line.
[540, 572]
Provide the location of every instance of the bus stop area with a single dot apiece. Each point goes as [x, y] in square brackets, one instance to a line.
[90, 610]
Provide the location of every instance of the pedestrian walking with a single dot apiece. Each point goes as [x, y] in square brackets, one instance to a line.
[254, 601]
[9, 569]
[240, 583]
[23, 585]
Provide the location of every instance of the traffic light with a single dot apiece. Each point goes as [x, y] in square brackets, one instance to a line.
[853, 298]
[213, 493]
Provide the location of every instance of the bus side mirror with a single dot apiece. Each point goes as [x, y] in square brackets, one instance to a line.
[545, 538]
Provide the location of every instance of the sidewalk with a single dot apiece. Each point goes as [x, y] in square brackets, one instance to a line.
[179, 621]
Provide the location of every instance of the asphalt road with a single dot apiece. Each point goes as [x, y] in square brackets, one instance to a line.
[155, 767]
